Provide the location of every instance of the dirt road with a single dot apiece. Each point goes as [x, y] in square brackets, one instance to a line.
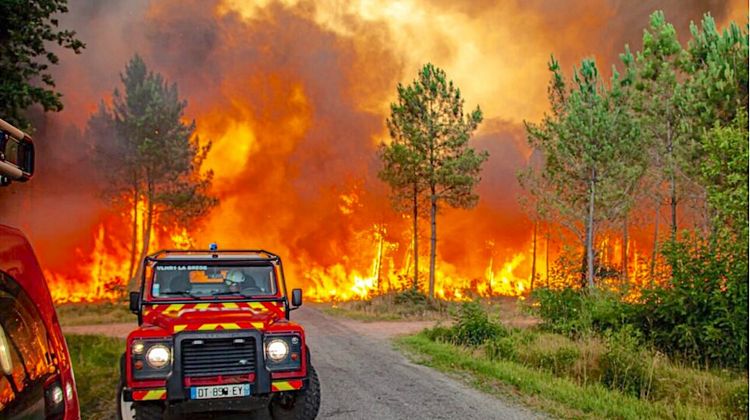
[363, 377]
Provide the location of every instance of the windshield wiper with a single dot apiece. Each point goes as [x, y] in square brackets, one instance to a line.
[228, 293]
[238, 294]
[180, 293]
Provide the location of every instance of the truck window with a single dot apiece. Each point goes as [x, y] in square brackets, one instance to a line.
[174, 280]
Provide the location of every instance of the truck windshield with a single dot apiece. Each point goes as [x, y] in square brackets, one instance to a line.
[175, 280]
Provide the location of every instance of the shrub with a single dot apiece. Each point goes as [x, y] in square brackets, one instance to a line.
[625, 365]
[473, 327]
[702, 314]
[503, 348]
[562, 311]
[411, 297]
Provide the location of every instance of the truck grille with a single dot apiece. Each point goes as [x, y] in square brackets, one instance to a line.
[212, 357]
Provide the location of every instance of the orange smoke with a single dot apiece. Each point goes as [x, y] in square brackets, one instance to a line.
[293, 96]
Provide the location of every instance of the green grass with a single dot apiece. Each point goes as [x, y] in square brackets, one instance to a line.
[558, 396]
[71, 314]
[96, 363]
[359, 315]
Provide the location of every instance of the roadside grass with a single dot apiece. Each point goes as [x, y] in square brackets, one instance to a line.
[71, 314]
[96, 363]
[406, 305]
[539, 379]
[413, 306]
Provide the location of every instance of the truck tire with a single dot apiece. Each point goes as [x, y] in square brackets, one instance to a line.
[124, 408]
[135, 411]
[304, 405]
[148, 411]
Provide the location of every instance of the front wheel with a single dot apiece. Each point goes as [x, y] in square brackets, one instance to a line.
[300, 405]
[128, 410]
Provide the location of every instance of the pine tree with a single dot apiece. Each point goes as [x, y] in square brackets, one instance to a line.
[429, 123]
[154, 154]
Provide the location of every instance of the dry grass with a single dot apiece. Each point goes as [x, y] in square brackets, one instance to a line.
[71, 314]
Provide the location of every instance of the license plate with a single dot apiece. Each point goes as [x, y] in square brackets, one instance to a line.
[219, 391]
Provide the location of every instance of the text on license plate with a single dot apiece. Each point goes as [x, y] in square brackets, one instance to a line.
[219, 391]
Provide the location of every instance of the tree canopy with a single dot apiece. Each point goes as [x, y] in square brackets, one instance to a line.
[27, 27]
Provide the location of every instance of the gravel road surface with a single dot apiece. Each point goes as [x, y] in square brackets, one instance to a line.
[363, 377]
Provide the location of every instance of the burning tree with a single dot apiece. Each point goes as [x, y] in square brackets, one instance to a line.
[430, 157]
[151, 159]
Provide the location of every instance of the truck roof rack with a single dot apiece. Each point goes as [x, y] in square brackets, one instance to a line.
[259, 254]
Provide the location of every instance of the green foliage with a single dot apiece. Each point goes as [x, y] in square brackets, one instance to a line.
[27, 27]
[565, 377]
[718, 82]
[592, 153]
[576, 312]
[429, 158]
[411, 297]
[736, 401]
[702, 316]
[724, 170]
[625, 364]
[472, 327]
[503, 348]
[145, 152]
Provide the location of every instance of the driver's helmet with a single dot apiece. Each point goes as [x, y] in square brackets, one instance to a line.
[235, 277]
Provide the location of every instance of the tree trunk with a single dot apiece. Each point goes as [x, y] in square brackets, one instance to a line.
[590, 235]
[134, 232]
[533, 256]
[624, 269]
[433, 240]
[147, 223]
[415, 213]
[546, 257]
[655, 250]
[672, 181]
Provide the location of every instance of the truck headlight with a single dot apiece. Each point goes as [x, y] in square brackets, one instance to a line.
[277, 350]
[158, 356]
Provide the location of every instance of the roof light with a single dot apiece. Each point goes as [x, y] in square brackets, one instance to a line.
[213, 247]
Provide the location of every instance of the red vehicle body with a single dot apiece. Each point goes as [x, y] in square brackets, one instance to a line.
[39, 383]
[214, 335]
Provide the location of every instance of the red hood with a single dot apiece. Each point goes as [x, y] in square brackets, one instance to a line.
[212, 316]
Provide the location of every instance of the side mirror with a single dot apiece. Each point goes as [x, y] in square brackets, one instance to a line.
[135, 302]
[296, 298]
[16, 154]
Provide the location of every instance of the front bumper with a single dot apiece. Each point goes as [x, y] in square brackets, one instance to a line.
[253, 402]
[176, 395]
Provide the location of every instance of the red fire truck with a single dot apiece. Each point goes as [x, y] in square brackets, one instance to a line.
[36, 376]
[214, 336]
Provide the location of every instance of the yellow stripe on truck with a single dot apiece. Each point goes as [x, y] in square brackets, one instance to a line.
[155, 394]
[283, 386]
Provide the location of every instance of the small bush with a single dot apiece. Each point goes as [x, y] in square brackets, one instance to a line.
[575, 312]
[503, 348]
[411, 297]
[473, 327]
[625, 365]
[562, 311]
[702, 317]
